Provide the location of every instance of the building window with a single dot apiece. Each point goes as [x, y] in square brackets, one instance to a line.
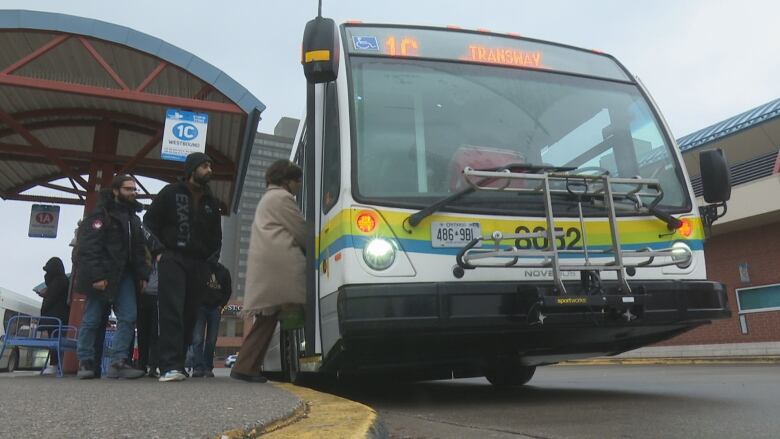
[230, 326]
[758, 299]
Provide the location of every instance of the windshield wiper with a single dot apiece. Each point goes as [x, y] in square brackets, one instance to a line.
[671, 222]
[417, 217]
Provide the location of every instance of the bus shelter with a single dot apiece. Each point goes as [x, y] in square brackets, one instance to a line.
[82, 100]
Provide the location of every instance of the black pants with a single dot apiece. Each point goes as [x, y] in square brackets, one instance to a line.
[147, 332]
[181, 283]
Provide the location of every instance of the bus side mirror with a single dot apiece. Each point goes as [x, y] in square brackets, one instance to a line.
[320, 51]
[715, 178]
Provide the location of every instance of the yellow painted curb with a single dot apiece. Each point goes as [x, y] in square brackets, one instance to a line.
[241, 433]
[320, 415]
[327, 416]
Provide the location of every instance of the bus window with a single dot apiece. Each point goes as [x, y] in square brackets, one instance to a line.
[298, 160]
[7, 317]
[331, 162]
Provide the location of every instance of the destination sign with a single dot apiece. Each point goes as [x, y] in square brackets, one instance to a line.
[484, 48]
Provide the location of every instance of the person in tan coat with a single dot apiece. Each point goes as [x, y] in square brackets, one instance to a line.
[275, 276]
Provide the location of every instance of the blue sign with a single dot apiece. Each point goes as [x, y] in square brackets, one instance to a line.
[184, 133]
[365, 43]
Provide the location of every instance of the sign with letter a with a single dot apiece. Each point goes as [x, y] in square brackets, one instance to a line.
[43, 221]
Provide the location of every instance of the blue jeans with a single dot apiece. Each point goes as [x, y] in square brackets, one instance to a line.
[125, 309]
[203, 346]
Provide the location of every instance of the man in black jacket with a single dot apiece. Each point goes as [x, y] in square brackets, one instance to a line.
[112, 268]
[186, 220]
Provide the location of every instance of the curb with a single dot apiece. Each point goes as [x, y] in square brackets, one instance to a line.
[319, 415]
[326, 416]
[242, 433]
[672, 361]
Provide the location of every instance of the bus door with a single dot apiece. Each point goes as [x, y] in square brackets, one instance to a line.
[332, 215]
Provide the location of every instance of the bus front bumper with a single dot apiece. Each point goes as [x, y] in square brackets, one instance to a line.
[460, 322]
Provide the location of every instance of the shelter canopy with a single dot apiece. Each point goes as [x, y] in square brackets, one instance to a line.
[84, 97]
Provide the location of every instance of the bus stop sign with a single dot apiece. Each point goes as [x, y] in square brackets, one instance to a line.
[185, 133]
[43, 221]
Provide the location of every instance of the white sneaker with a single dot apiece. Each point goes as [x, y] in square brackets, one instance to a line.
[50, 370]
[172, 375]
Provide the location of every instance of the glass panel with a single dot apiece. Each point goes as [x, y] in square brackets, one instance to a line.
[759, 298]
[419, 123]
[331, 163]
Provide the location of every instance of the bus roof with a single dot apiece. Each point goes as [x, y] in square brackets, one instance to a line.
[481, 47]
[19, 302]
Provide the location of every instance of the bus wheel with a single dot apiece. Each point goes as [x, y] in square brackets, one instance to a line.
[509, 375]
[13, 360]
[290, 355]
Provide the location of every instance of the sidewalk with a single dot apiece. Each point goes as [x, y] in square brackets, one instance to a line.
[46, 406]
[727, 353]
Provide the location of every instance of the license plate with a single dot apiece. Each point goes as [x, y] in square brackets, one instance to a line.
[454, 234]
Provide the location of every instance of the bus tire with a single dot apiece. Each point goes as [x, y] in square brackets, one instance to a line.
[290, 354]
[509, 375]
[13, 360]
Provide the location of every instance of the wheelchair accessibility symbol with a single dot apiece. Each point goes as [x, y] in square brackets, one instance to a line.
[365, 43]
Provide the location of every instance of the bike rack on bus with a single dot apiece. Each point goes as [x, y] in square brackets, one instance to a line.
[590, 187]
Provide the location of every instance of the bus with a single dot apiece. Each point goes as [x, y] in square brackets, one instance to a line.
[481, 204]
[20, 357]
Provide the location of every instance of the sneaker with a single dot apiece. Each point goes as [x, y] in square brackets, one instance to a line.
[121, 369]
[209, 374]
[153, 373]
[49, 370]
[198, 374]
[86, 370]
[172, 375]
[248, 378]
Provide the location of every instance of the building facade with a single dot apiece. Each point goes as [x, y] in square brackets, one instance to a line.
[236, 229]
[743, 247]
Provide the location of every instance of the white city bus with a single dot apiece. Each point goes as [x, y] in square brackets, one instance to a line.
[481, 204]
[12, 304]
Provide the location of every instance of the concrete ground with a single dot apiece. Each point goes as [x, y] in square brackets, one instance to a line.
[692, 401]
[46, 406]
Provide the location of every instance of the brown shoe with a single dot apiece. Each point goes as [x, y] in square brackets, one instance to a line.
[248, 378]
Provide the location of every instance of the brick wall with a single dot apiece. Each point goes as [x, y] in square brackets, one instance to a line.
[759, 247]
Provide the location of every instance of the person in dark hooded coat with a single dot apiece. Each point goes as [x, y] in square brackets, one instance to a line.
[55, 298]
[112, 270]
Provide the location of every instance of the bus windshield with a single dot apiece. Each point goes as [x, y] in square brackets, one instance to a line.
[419, 123]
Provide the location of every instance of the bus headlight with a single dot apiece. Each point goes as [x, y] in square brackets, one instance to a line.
[682, 254]
[379, 254]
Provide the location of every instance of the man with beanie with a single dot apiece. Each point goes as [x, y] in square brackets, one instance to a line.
[185, 218]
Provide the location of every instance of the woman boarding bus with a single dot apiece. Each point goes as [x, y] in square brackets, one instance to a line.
[481, 204]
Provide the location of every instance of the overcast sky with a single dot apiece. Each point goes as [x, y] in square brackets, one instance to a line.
[703, 60]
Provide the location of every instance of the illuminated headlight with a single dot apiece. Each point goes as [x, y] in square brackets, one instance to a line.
[682, 254]
[379, 253]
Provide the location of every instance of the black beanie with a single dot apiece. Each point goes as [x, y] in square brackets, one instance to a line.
[193, 161]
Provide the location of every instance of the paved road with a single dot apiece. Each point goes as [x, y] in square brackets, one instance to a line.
[35, 406]
[587, 402]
